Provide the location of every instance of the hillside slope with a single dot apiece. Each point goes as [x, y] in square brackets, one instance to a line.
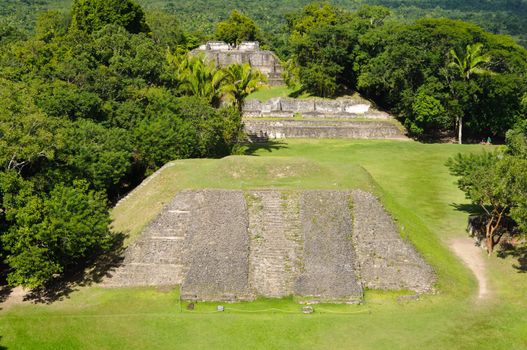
[496, 16]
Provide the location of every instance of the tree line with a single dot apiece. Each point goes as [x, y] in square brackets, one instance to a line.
[102, 96]
[438, 76]
[91, 104]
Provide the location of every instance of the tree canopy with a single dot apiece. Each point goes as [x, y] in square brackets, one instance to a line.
[92, 15]
[88, 110]
[237, 28]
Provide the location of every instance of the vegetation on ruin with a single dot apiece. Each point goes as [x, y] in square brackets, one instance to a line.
[96, 95]
[413, 184]
[89, 108]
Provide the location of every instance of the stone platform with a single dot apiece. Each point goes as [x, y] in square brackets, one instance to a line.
[350, 117]
[224, 245]
[263, 130]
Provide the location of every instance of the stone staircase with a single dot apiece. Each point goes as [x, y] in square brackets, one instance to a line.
[231, 245]
[386, 261]
[275, 231]
[158, 257]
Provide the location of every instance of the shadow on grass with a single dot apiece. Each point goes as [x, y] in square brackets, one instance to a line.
[5, 290]
[93, 271]
[1, 346]
[470, 209]
[519, 253]
[268, 146]
[297, 93]
[506, 248]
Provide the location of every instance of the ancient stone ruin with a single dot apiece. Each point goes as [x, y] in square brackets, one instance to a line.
[249, 52]
[229, 245]
[349, 117]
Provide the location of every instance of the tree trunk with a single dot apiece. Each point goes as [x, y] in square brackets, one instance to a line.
[460, 129]
[489, 234]
[489, 243]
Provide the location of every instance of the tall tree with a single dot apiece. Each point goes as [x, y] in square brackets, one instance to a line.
[197, 76]
[237, 28]
[240, 81]
[468, 64]
[489, 181]
[92, 15]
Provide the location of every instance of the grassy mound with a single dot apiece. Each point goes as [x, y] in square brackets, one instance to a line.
[235, 172]
[415, 187]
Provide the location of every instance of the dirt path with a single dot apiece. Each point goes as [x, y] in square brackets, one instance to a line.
[16, 297]
[473, 257]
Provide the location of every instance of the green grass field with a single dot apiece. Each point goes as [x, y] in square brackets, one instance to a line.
[268, 93]
[413, 184]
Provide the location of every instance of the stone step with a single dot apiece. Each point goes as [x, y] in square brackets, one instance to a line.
[273, 218]
[136, 274]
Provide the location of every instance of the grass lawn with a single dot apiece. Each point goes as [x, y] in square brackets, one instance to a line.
[268, 93]
[414, 185]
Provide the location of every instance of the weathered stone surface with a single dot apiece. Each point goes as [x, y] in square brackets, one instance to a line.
[313, 108]
[386, 261]
[329, 272]
[277, 129]
[272, 106]
[223, 54]
[355, 108]
[276, 241]
[234, 245]
[252, 106]
[328, 107]
[218, 259]
[158, 256]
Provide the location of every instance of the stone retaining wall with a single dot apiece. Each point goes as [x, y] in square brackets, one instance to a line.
[284, 107]
[386, 261]
[234, 245]
[265, 61]
[218, 248]
[261, 130]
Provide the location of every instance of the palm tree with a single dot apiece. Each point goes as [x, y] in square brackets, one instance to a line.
[197, 77]
[201, 78]
[467, 64]
[240, 80]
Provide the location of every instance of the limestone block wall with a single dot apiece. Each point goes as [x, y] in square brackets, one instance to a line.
[342, 108]
[218, 248]
[261, 130]
[238, 245]
[265, 61]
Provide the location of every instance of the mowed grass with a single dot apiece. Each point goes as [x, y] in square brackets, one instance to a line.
[267, 93]
[414, 185]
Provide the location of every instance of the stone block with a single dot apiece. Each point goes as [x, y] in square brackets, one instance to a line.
[329, 107]
[329, 272]
[253, 105]
[289, 105]
[356, 108]
[271, 106]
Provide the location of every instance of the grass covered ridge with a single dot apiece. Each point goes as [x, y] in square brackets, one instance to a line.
[415, 187]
